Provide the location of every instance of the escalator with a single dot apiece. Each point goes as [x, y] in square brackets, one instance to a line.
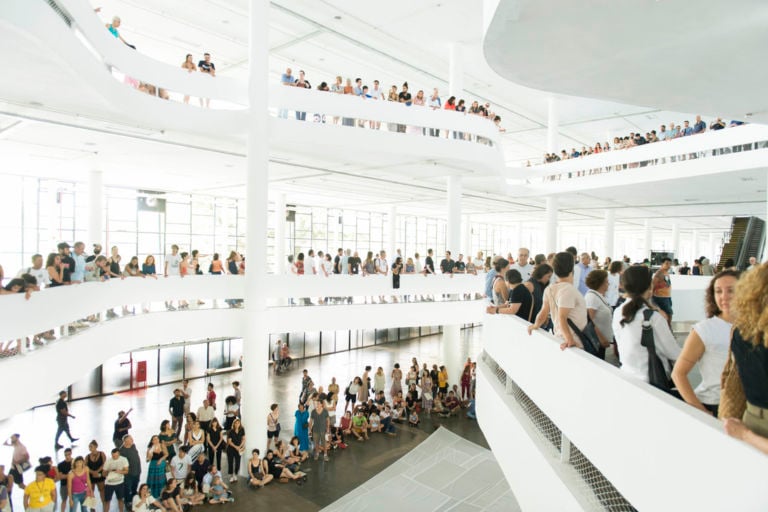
[744, 240]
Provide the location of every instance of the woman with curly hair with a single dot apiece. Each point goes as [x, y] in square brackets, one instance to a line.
[749, 345]
[707, 344]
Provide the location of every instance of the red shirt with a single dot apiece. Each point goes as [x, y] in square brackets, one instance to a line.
[212, 398]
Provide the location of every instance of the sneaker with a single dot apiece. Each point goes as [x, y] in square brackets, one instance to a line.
[326, 458]
[58, 446]
[74, 439]
[317, 456]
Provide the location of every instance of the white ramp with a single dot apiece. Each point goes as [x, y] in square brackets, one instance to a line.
[444, 473]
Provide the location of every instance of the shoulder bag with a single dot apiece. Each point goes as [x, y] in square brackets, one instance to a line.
[657, 376]
[588, 337]
[733, 402]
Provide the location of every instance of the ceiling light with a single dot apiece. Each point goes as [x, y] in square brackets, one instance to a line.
[226, 22]
[337, 17]
[89, 143]
[690, 200]
[747, 178]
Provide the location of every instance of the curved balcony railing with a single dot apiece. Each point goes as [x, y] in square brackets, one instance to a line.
[713, 144]
[61, 306]
[572, 432]
[77, 34]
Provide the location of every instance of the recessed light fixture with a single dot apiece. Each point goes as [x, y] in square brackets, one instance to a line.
[690, 200]
[337, 17]
[747, 178]
[226, 22]
[89, 143]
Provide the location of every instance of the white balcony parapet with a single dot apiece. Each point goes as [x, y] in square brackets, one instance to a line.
[712, 144]
[580, 432]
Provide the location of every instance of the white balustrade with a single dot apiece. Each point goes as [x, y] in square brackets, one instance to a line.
[657, 451]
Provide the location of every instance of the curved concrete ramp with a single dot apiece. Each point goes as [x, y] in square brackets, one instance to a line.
[444, 473]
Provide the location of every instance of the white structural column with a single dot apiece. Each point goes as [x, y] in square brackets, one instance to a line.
[451, 352]
[610, 233]
[694, 245]
[712, 250]
[280, 257]
[466, 237]
[455, 71]
[453, 230]
[676, 241]
[392, 237]
[96, 207]
[648, 240]
[551, 240]
[553, 125]
[256, 341]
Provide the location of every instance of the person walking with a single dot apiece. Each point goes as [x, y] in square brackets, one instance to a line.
[62, 420]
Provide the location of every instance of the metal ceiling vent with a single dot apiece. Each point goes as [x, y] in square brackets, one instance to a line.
[64, 15]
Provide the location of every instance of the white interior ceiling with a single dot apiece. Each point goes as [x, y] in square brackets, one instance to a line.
[407, 40]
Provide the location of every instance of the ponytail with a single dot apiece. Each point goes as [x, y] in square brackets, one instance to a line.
[631, 307]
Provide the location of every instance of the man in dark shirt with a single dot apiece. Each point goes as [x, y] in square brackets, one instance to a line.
[62, 419]
[201, 466]
[429, 263]
[67, 262]
[337, 261]
[64, 467]
[131, 479]
[717, 124]
[207, 67]
[122, 426]
[176, 408]
[447, 264]
[354, 264]
[700, 126]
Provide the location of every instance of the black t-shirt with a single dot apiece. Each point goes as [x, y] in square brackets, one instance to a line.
[114, 267]
[337, 264]
[396, 276]
[430, 264]
[446, 266]
[69, 265]
[521, 295]
[61, 410]
[236, 437]
[405, 97]
[460, 266]
[121, 428]
[207, 67]
[64, 468]
[177, 406]
[684, 271]
[170, 495]
[354, 264]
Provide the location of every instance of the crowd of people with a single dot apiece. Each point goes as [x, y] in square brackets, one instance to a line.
[674, 131]
[629, 306]
[394, 94]
[196, 455]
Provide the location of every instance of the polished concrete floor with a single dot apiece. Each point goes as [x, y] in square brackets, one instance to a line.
[328, 481]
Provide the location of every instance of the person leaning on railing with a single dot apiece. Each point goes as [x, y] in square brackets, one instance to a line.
[707, 344]
[749, 345]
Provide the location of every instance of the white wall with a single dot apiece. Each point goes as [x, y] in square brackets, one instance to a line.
[659, 452]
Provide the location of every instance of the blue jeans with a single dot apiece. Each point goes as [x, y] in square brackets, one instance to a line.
[665, 304]
[388, 426]
[78, 497]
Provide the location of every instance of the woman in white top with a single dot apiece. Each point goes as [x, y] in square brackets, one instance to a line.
[379, 380]
[628, 325]
[565, 302]
[598, 308]
[708, 344]
[614, 280]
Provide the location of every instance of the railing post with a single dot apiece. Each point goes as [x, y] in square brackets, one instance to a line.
[565, 449]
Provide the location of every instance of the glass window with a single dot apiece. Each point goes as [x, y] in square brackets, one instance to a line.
[311, 344]
[171, 364]
[90, 385]
[195, 360]
[116, 373]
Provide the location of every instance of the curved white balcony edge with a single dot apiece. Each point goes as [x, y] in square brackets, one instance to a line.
[74, 356]
[65, 304]
[659, 452]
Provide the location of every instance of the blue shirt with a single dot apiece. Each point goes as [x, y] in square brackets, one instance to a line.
[699, 127]
[582, 284]
[286, 79]
[148, 269]
[489, 277]
[687, 131]
[79, 273]
[113, 30]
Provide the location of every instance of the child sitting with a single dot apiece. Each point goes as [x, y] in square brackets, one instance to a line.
[375, 422]
[413, 418]
[219, 491]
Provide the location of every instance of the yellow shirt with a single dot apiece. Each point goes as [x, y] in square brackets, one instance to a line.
[442, 379]
[39, 493]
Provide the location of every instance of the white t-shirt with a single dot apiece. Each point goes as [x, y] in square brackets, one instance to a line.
[180, 467]
[634, 356]
[612, 293]
[603, 313]
[328, 266]
[111, 466]
[381, 265]
[479, 264]
[142, 508]
[41, 274]
[525, 270]
[418, 267]
[309, 265]
[173, 264]
[715, 333]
